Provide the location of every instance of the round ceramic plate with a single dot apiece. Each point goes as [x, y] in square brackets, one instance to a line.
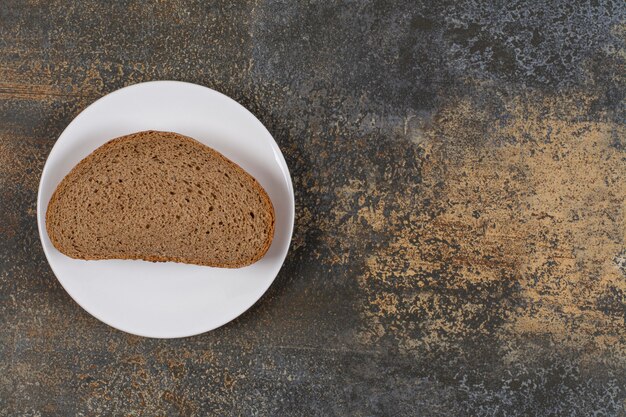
[170, 299]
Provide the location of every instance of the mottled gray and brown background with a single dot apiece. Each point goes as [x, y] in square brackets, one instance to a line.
[460, 180]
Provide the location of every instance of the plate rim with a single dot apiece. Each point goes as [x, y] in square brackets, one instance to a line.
[277, 151]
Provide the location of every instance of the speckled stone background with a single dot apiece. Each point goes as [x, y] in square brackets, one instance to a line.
[460, 181]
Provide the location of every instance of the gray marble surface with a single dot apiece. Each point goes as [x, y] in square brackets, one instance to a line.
[459, 176]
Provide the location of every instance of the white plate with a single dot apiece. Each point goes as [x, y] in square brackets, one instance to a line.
[169, 299]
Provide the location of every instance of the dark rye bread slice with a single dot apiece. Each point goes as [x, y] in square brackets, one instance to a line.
[161, 196]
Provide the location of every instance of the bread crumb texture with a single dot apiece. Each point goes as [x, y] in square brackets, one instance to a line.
[161, 196]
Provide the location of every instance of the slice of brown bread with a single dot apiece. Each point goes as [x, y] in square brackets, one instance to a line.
[161, 196]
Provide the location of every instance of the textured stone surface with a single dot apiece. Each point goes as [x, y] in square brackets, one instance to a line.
[460, 181]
